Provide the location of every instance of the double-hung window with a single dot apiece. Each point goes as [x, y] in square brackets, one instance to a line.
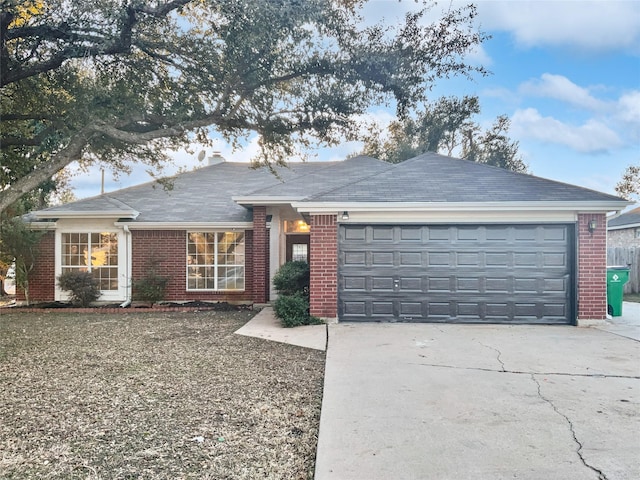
[215, 261]
[95, 252]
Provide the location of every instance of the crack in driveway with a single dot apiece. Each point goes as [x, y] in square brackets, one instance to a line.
[520, 372]
[601, 475]
[498, 356]
[532, 375]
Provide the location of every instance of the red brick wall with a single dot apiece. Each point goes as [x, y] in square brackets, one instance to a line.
[592, 268]
[324, 266]
[42, 278]
[169, 248]
[260, 255]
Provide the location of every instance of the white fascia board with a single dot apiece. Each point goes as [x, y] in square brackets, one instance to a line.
[258, 200]
[624, 227]
[336, 207]
[42, 225]
[89, 214]
[186, 226]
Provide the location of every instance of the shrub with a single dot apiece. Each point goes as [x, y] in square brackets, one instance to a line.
[150, 288]
[293, 310]
[292, 277]
[84, 288]
[292, 306]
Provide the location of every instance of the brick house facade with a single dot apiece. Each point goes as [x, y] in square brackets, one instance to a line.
[384, 241]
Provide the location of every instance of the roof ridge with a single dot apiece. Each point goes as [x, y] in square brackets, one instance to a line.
[353, 182]
[325, 165]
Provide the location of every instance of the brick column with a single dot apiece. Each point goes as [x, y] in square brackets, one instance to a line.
[260, 256]
[324, 266]
[592, 267]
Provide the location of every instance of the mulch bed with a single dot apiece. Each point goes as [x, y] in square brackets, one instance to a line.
[117, 308]
[157, 395]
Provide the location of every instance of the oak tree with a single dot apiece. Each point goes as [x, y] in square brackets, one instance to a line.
[446, 126]
[121, 81]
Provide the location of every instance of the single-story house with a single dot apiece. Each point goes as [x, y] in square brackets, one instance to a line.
[433, 238]
[624, 230]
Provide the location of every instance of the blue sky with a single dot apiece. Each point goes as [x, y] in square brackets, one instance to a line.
[566, 72]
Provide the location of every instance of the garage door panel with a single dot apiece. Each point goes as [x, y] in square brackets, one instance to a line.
[382, 308]
[382, 284]
[354, 308]
[449, 273]
[354, 283]
[382, 233]
[354, 258]
[410, 258]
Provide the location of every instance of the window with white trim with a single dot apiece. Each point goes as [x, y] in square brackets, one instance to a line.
[215, 261]
[95, 252]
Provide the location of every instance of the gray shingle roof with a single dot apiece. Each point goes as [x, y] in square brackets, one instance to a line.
[203, 195]
[334, 175]
[436, 178]
[630, 218]
[206, 195]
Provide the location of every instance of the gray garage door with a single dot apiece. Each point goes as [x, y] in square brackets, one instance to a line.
[456, 273]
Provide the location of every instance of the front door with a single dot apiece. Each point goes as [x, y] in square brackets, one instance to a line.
[298, 247]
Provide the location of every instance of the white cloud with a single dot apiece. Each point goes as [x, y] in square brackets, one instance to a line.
[629, 107]
[591, 137]
[561, 88]
[600, 25]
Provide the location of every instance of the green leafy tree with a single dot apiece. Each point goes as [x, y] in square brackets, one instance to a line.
[19, 243]
[446, 126]
[115, 82]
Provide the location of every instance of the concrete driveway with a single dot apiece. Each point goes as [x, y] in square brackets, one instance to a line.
[405, 401]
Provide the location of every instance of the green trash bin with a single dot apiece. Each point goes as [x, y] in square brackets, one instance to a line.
[616, 278]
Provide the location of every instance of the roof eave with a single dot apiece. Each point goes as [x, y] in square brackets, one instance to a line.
[624, 227]
[266, 200]
[333, 207]
[75, 214]
[185, 225]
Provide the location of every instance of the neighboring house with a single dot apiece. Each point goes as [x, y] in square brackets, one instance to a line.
[429, 239]
[624, 230]
[623, 246]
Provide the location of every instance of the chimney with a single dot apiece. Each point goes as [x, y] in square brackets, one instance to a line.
[215, 159]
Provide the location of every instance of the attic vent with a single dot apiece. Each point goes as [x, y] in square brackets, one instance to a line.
[216, 158]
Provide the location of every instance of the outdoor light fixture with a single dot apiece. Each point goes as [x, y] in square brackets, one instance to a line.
[593, 224]
[345, 215]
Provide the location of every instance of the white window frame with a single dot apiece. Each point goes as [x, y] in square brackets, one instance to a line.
[89, 227]
[215, 266]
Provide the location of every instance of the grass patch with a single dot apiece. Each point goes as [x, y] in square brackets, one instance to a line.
[154, 395]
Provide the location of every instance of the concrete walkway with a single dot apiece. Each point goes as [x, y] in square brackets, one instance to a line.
[266, 325]
[627, 325]
[431, 401]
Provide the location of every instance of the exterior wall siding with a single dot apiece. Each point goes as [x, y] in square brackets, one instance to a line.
[623, 238]
[592, 268]
[324, 266]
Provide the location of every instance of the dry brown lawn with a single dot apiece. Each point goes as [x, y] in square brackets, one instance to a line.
[154, 396]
